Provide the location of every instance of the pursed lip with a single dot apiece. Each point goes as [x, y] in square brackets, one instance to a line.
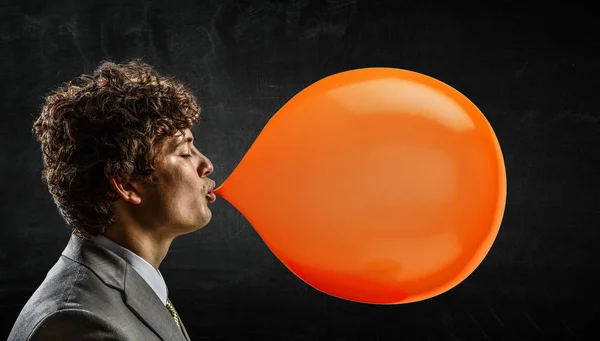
[211, 196]
[211, 186]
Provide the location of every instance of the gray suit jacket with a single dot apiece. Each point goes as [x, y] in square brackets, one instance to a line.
[92, 294]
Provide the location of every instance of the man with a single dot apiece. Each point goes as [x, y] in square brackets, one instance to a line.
[120, 163]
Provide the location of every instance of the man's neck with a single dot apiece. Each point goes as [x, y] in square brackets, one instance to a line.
[153, 249]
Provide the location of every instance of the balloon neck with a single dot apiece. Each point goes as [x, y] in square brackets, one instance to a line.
[218, 190]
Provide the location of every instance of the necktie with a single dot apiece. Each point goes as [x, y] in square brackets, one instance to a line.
[173, 313]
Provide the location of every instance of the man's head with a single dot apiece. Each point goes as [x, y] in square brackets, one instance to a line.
[117, 149]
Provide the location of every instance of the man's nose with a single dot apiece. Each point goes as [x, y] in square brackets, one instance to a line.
[206, 167]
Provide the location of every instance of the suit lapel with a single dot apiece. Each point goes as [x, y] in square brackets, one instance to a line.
[187, 337]
[144, 302]
[138, 295]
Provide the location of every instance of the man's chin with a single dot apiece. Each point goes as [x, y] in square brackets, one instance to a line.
[201, 224]
[190, 228]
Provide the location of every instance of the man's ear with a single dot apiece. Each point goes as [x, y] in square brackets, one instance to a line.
[128, 192]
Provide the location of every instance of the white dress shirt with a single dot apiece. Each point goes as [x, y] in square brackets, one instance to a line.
[151, 275]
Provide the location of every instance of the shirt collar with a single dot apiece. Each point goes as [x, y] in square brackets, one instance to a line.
[151, 275]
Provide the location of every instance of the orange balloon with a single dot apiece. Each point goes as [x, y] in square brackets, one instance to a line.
[375, 185]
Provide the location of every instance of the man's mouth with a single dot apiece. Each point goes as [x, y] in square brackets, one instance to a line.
[210, 195]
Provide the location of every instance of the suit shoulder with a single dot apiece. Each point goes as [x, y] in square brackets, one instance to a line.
[70, 284]
[68, 287]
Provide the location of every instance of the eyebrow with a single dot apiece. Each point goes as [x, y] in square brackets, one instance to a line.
[186, 140]
[183, 141]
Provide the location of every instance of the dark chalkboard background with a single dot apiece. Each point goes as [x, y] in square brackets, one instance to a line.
[531, 70]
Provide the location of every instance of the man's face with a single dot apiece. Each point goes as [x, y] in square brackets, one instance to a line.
[179, 202]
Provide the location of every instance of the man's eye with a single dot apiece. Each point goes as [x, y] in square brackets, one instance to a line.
[186, 156]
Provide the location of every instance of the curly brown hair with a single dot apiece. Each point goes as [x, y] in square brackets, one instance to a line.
[112, 122]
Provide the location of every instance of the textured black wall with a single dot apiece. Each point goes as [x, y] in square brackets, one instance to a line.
[531, 71]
